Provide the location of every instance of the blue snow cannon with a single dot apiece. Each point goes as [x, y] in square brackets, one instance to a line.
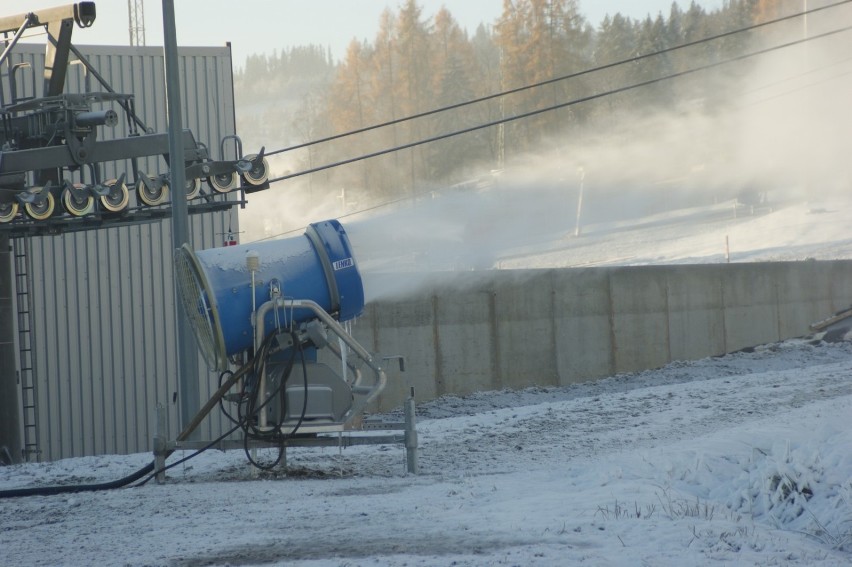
[221, 287]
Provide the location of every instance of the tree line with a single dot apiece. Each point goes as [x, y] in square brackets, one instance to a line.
[417, 63]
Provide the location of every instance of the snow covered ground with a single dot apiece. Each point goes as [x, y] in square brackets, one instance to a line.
[744, 459]
[793, 231]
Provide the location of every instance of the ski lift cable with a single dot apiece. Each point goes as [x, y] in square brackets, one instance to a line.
[527, 115]
[559, 79]
[558, 106]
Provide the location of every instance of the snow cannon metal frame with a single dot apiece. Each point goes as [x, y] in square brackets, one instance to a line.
[223, 290]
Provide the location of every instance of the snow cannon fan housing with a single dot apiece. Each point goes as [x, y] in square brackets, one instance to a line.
[215, 286]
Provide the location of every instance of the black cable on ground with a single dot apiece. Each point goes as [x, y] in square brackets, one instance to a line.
[148, 469]
[257, 364]
[72, 488]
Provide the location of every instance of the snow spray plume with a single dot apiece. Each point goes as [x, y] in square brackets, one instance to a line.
[774, 125]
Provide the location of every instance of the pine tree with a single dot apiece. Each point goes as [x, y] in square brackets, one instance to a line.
[417, 63]
[384, 108]
[511, 39]
[413, 85]
[616, 41]
[765, 10]
[346, 103]
[486, 81]
[453, 64]
[651, 39]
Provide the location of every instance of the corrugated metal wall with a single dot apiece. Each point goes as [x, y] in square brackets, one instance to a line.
[103, 301]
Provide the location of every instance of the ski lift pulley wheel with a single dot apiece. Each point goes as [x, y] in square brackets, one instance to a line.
[193, 188]
[77, 203]
[224, 182]
[258, 174]
[8, 212]
[118, 197]
[42, 210]
[152, 196]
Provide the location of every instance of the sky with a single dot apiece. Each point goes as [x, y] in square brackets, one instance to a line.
[261, 26]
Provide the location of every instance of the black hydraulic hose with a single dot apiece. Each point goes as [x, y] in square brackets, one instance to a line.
[222, 407]
[122, 482]
[71, 488]
[251, 432]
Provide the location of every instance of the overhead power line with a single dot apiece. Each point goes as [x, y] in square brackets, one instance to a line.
[558, 79]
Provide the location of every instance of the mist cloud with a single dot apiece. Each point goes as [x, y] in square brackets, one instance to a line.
[784, 132]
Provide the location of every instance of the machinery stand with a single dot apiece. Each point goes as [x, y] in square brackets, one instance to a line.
[411, 435]
[160, 451]
[408, 438]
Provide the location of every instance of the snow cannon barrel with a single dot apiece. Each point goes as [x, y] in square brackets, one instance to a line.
[220, 287]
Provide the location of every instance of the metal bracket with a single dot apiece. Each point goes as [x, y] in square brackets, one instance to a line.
[79, 194]
[274, 288]
[152, 183]
[398, 357]
[33, 197]
[102, 190]
[246, 165]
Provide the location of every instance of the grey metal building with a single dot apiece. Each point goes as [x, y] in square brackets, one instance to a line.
[95, 314]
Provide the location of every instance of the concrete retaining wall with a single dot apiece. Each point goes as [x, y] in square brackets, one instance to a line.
[513, 329]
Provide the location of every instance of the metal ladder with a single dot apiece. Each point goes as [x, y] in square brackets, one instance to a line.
[26, 372]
